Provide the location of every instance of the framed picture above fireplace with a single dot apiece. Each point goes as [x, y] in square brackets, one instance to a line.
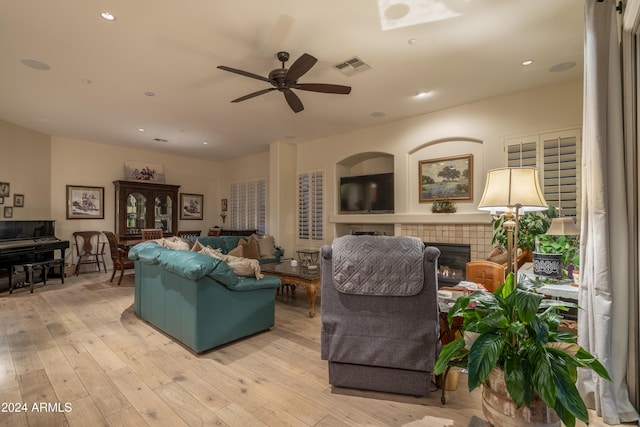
[446, 178]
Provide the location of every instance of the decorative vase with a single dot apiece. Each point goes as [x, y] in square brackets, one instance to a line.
[549, 265]
[501, 411]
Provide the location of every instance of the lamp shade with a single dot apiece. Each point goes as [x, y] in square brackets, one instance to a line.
[563, 227]
[507, 187]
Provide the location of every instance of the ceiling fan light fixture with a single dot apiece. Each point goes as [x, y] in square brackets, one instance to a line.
[286, 79]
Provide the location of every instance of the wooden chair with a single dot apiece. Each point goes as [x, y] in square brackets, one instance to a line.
[151, 233]
[118, 256]
[487, 273]
[215, 231]
[188, 233]
[89, 249]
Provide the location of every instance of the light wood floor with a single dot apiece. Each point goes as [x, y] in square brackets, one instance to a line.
[76, 354]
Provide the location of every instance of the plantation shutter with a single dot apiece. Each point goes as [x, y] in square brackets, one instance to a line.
[523, 154]
[557, 157]
[311, 205]
[561, 172]
[248, 205]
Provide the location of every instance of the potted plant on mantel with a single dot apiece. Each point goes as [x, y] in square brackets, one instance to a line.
[511, 345]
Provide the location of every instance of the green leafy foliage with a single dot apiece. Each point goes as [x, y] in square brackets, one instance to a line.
[516, 331]
[530, 225]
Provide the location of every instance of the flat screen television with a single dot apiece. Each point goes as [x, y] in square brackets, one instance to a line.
[367, 193]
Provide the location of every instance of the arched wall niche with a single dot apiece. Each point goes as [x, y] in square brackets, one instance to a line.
[445, 140]
[365, 163]
[444, 148]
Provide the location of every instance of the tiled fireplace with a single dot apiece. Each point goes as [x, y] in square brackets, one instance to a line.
[477, 236]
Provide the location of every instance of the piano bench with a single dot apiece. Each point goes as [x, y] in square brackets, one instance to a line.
[29, 268]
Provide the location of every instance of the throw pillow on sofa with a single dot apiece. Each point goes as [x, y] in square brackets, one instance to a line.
[250, 249]
[243, 267]
[267, 246]
[197, 246]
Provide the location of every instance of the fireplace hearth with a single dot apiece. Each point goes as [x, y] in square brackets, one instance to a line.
[452, 263]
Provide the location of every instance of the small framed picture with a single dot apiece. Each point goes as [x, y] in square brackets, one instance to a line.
[191, 206]
[85, 202]
[4, 189]
[18, 200]
[8, 212]
[224, 205]
[1, 200]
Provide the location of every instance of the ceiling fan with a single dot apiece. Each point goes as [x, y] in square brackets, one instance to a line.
[284, 80]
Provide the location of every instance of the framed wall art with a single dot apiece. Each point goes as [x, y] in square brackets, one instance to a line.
[446, 178]
[8, 212]
[191, 206]
[85, 202]
[18, 200]
[4, 189]
[143, 171]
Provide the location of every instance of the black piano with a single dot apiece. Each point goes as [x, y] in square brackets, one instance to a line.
[27, 241]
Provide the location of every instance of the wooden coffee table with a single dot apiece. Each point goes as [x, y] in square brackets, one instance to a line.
[299, 276]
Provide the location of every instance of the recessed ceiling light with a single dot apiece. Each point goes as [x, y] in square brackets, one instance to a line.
[563, 66]
[527, 62]
[422, 94]
[378, 114]
[149, 93]
[107, 16]
[140, 129]
[205, 143]
[86, 81]
[412, 40]
[36, 65]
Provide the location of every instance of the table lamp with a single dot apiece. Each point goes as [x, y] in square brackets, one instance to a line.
[511, 191]
[563, 226]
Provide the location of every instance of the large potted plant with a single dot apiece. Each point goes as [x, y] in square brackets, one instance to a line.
[511, 344]
[530, 225]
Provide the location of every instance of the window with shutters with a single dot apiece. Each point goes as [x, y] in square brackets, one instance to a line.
[557, 157]
[248, 205]
[311, 205]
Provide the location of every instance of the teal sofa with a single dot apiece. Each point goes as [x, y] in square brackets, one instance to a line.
[197, 299]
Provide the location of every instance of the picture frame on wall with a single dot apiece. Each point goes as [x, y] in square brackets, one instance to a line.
[18, 200]
[446, 178]
[1, 200]
[4, 189]
[8, 212]
[224, 204]
[191, 206]
[84, 202]
[144, 171]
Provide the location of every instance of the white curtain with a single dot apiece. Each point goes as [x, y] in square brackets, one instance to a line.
[608, 267]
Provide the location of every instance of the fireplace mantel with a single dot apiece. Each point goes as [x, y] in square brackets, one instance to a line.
[426, 218]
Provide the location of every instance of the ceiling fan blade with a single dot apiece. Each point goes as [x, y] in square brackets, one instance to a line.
[254, 94]
[325, 88]
[243, 73]
[293, 100]
[298, 68]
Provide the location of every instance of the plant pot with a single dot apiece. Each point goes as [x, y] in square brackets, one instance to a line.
[548, 265]
[501, 411]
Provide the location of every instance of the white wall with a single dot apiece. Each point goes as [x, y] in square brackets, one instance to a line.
[76, 162]
[25, 165]
[477, 128]
[31, 160]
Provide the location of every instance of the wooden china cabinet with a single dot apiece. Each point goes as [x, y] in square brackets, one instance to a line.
[145, 205]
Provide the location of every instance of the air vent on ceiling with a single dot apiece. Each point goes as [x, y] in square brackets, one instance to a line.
[353, 66]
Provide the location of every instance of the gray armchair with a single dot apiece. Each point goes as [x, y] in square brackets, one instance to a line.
[380, 319]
